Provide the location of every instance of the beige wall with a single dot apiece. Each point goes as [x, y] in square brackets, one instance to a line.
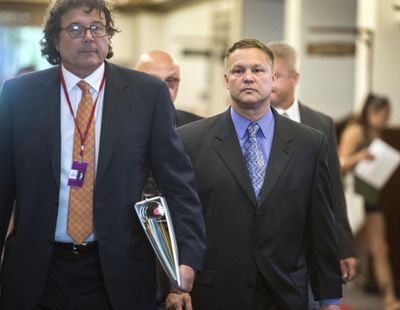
[199, 27]
[386, 60]
[326, 81]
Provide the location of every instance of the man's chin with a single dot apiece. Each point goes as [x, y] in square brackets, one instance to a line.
[249, 99]
[91, 63]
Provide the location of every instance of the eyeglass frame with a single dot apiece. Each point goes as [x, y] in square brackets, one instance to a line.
[85, 29]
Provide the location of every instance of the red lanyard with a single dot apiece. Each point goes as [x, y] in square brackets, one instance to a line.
[82, 137]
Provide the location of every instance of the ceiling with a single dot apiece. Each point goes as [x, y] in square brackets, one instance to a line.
[155, 5]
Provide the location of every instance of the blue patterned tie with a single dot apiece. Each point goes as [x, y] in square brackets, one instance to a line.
[254, 159]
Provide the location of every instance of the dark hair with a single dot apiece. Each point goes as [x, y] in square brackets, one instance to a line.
[375, 103]
[52, 24]
[249, 43]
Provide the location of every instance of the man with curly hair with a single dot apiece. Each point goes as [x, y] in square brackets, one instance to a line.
[77, 143]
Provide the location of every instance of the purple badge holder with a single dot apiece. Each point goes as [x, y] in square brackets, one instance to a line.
[77, 175]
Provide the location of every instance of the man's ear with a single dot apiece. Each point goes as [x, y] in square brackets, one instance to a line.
[296, 76]
[273, 75]
[226, 81]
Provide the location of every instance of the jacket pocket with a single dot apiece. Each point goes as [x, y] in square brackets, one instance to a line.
[300, 276]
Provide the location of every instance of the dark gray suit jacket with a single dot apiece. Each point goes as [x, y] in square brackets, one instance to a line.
[289, 236]
[137, 135]
[183, 118]
[326, 125]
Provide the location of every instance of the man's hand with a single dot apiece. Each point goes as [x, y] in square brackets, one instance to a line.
[348, 267]
[180, 301]
[330, 307]
[187, 275]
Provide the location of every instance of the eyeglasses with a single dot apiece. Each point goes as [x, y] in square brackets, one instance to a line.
[172, 82]
[76, 31]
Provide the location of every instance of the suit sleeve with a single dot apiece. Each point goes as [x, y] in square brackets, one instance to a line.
[7, 189]
[322, 242]
[174, 176]
[345, 236]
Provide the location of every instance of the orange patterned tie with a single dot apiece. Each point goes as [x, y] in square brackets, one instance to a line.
[80, 215]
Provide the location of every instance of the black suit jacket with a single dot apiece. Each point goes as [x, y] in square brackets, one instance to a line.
[326, 125]
[137, 134]
[287, 235]
[183, 118]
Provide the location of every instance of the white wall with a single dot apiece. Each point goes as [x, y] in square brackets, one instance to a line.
[386, 60]
[263, 20]
[187, 29]
[379, 17]
[209, 27]
[366, 22]
[139, 33]
[206, 26]
[327, 82]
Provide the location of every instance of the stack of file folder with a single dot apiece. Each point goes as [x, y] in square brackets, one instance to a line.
[156, 221]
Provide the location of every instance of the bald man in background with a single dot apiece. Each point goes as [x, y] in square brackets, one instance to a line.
[160, 64]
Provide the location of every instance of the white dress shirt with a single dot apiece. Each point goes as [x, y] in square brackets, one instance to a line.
[67, 139]
[293, 112]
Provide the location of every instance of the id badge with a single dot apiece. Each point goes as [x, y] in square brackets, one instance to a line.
[77, 174]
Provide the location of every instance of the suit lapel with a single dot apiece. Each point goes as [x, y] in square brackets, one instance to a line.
[113, 113]
[48, 99]
[281, 151]
[228, 148]
[305, 118]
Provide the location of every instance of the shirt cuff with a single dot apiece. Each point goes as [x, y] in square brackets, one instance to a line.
[333, 301]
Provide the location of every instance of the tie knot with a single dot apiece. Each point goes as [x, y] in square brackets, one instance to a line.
[84, 86]
[252, 130]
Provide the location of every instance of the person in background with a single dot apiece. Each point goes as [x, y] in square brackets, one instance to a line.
[284, 101]
[353, 148]
[77, 142]
[163, 66]
[263, 183]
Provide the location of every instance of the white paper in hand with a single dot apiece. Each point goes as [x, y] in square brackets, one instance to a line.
[377, 171]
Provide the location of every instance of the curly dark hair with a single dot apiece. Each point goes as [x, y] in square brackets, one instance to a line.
[249, 43]
[52, 25]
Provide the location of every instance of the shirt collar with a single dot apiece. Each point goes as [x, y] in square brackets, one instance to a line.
[94, 79]
[241, 123]
[293, 111]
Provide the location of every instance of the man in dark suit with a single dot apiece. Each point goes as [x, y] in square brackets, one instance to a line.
[163, 66]
[263, 182]
[77, 242]
[284, 101]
